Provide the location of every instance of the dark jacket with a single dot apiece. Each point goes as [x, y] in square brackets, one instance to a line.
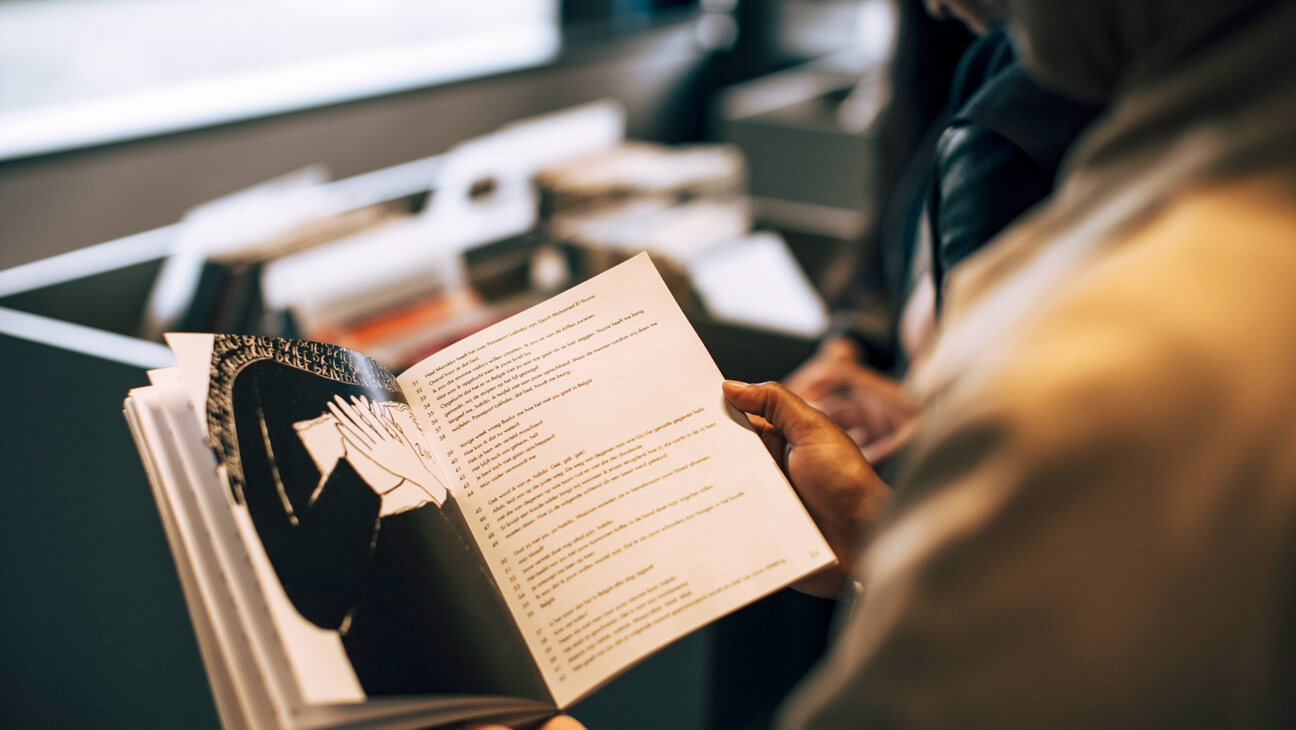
[999, 153]
[993, 154]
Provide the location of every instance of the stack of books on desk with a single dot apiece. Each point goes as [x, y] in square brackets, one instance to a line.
[687, 207]
[505, 220]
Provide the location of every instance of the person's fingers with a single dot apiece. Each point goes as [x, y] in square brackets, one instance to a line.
[563, 722]
[770, 436]
[884, 448]
[861, 382]
[834, 368]
[817, 378]
[792, 417]
[841, 410]
[861, 437]
[831, 353]
[839, 348]
[867, 415]
[559, 722]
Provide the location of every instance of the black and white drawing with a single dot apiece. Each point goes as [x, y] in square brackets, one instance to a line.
[354, 517]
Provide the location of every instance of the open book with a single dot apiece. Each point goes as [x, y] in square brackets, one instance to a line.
[492, 534]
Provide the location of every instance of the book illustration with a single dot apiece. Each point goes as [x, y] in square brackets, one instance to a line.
[383, 443]
[380, 554]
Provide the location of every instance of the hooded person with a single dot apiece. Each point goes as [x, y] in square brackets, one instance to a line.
[1096, 523]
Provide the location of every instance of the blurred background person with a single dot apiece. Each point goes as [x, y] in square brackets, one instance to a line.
[1095, 525]
[991, 154]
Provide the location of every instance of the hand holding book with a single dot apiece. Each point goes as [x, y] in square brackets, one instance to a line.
[837, 485]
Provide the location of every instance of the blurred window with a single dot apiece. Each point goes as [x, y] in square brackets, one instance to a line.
[79, 72]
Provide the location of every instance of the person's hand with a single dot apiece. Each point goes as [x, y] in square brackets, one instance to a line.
[836, 483]
[561, 722]
[372, 430]
[869, 406]
[876, 416]
[830, 370]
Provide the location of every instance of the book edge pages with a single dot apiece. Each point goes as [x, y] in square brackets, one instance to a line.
[236, 707]
[225, 643]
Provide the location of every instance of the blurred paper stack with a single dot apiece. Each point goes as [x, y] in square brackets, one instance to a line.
[687, 207]
[482, 231]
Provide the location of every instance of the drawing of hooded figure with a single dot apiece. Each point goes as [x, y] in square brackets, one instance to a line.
[364, 537]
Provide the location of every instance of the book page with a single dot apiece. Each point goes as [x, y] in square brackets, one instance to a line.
[619, 501]
[362, 559]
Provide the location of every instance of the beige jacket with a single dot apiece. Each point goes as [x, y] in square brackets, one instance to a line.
[1099, 526]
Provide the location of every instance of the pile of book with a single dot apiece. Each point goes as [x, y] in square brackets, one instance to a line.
[474, 235]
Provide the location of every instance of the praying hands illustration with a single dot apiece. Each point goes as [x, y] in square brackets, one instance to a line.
[386, 435]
